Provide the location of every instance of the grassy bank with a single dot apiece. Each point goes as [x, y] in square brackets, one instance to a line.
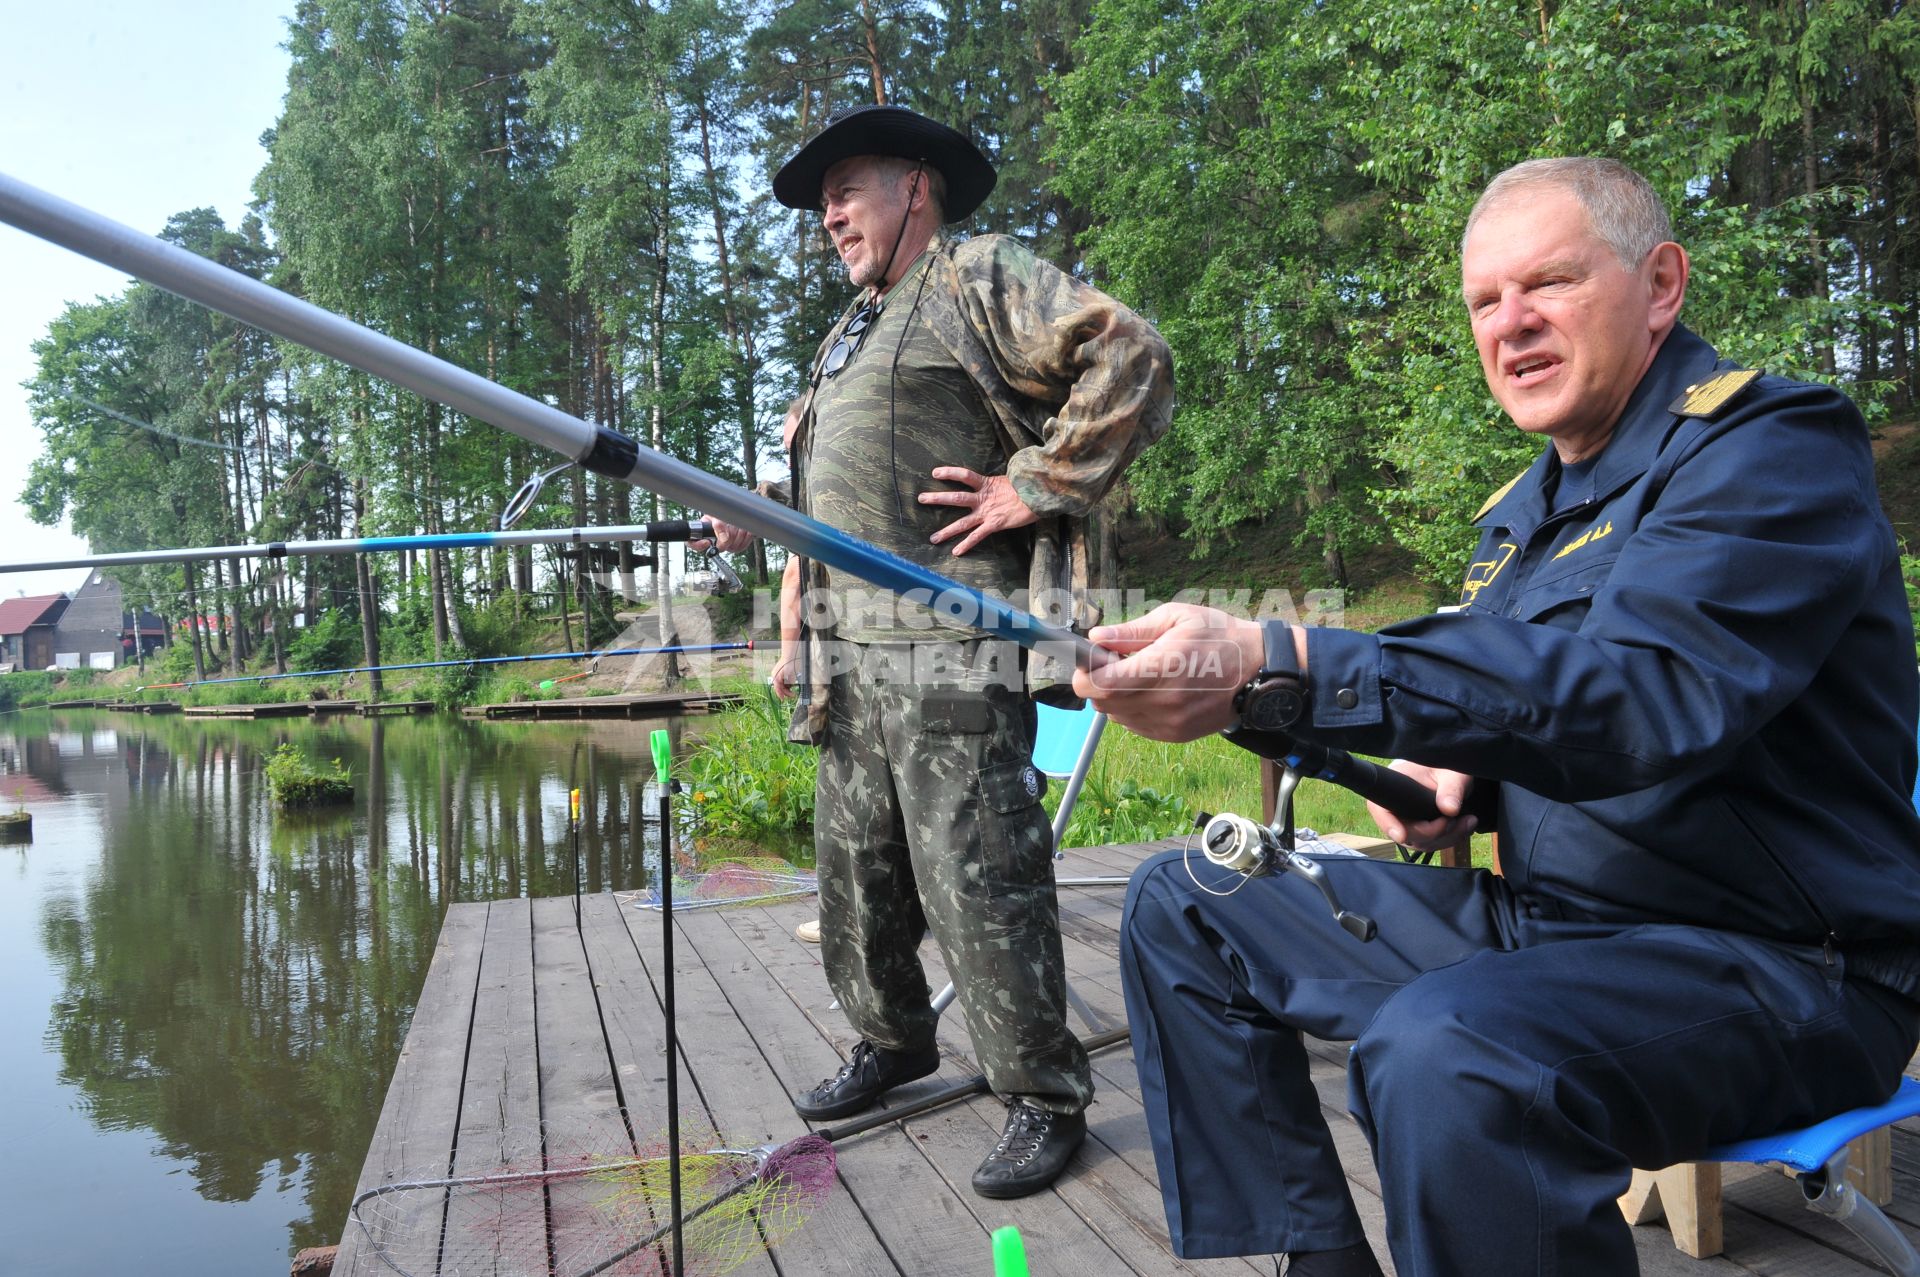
[749, 784]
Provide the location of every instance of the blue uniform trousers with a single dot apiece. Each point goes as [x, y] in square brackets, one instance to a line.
[1511, 1062]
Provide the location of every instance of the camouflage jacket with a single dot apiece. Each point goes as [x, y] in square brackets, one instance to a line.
[1077, 385]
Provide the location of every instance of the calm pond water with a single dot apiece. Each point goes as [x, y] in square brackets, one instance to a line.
[203, 999]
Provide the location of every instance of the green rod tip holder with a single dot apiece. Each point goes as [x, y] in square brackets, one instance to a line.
[662, 754]
[1009, 1253]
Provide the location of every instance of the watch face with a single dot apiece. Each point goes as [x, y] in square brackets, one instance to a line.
[1275, 705]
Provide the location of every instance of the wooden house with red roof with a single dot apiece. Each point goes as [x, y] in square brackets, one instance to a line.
[27, 630]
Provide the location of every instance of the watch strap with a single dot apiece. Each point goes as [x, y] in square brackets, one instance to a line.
[1278, 660]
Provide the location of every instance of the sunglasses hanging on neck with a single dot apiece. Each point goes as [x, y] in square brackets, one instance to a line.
[849, 339]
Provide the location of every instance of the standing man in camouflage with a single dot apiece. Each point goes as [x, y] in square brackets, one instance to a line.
[1021, 394]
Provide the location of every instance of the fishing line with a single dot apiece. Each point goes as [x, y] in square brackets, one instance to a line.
[149, 426]
[744, 645]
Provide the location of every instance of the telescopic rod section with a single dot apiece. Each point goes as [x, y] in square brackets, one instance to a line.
[597, 448]
[664, 530]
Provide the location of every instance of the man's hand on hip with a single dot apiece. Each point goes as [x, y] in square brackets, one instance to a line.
[993, 506]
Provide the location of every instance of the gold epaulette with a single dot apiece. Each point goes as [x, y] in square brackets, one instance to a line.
[1710, 398]
[1494, 500]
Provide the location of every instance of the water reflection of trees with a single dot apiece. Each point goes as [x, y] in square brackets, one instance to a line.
[239, 982]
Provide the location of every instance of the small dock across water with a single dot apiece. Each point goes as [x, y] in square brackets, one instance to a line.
[276, 709]
[525, 1018]
[648, 705]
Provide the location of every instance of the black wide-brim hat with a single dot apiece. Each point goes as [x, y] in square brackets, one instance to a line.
[887, 130]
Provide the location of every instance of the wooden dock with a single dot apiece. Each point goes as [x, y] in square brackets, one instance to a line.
[384, 709]
[648, 705]
[276, 709]
[524, 1018]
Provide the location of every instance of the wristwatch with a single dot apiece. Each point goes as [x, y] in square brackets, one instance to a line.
[1273, 699]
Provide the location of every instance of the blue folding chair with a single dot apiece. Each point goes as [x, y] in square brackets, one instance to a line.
[1817, 1155]
[1063, 749]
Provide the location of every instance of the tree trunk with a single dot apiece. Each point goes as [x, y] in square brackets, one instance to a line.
[277, 610]
[873, 53]
[662, 584]
[739, 343]
[193, 624]
[1318, 495]
[369, 602]
[1810, 172]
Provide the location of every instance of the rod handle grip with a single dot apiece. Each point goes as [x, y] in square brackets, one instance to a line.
[1400, 794]
[678, 530]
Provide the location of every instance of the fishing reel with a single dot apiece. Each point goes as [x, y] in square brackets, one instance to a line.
[1256, 850]
[719, 578]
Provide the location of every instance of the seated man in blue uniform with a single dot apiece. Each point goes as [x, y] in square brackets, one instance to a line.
[1681, 678]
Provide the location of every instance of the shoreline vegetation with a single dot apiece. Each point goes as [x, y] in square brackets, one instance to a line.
[749, 788]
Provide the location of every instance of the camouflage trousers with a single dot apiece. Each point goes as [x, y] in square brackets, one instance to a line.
[928, 816]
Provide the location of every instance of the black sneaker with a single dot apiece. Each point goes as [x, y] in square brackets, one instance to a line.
[1033, 1150]
[867, 1074]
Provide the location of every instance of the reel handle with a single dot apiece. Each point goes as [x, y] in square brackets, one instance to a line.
[1357, 925]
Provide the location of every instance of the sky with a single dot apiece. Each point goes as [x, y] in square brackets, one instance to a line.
[136, 111]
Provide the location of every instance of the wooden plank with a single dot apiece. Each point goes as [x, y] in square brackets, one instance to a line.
[794, 1055]
[1687, 1196]
[649, 705]
[421, 1112]
[888, 1173]
[579, 1101]
[499, 1127]
[635, 1024]
[1767, 1229]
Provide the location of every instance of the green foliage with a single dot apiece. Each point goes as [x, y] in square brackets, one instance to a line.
[298, 783]
[1126, 811]
[501, 627]
[28, 687]
[448, 687]
[570, 198]
[1284, 189]
[744, 779]
[330, 643]
[172, 664]
[74, 685]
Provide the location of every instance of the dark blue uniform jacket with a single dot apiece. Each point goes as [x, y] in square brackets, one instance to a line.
[1696, 690]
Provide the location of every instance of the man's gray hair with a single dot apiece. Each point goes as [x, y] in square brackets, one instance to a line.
[1622, 206]
[900, 167]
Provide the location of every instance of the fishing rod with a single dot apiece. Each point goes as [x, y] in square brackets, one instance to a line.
[597, 448]
[745, 645]
[663, 530]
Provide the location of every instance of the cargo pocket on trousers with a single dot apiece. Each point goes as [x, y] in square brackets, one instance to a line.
[1016, 837]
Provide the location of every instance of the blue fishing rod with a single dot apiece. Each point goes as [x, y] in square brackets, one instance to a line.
[745, 645]
[662, 530]
[597, 448]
